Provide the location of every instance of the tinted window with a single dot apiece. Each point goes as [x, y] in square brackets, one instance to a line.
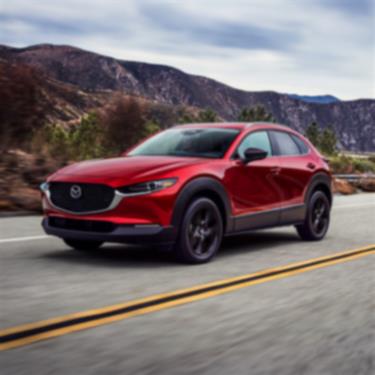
[303, 148]
[285, 144]
[193, 142]
[255, 140]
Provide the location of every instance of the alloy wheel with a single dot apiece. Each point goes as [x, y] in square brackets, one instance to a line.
[203, 232]
[320, 216]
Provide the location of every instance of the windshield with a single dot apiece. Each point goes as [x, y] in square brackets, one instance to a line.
[203, 143]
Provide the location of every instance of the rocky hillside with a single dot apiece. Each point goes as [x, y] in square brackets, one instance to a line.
[23, 87]
[354, 121]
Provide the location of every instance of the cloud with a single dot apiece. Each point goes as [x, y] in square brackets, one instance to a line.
[322, 46]
[216, 31]
[46, 25]
[364, 8]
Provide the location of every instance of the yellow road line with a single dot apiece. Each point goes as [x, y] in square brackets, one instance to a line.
[44, 329]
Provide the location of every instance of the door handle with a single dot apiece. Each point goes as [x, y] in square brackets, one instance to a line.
[275, 170]
[311, 165]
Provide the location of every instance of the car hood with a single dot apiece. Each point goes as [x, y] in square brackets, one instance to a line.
[124, 169]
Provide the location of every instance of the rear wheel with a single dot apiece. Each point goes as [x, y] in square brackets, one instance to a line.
[83, 245]
[200, 233]
[317, 218]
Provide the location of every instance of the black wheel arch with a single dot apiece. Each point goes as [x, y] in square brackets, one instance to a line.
[320, 181]
[207, 187]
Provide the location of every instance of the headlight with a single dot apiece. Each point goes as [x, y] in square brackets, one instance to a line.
[147, 187]
[44, 187]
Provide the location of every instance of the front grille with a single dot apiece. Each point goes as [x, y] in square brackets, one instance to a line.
[82, 225]
[94, 197]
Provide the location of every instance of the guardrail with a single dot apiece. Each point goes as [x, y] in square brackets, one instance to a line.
[354, 177]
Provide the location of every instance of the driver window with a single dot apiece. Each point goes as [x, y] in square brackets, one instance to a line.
[255, 140]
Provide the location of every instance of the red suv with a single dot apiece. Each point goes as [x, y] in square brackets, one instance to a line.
[188, 186]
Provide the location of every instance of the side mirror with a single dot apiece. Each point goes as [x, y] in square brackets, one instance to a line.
[252, 154]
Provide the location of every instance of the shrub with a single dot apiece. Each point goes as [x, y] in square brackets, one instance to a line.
[363, 165]
[345, 164]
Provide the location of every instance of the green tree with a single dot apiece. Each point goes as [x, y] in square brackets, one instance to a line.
[207, 115]
[256, 113]
[312, 133]
[57, 139]
[85, 140]
[186, 118]
[328, 141]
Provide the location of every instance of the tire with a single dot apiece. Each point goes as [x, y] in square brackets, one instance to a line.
[200, 232]
[83, 245]
[317, 218]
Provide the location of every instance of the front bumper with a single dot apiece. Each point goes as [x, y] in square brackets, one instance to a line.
[152, 234]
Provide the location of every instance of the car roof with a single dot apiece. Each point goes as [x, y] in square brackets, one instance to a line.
[236, 125]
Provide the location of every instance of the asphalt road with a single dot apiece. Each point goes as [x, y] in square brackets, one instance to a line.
[321, 321]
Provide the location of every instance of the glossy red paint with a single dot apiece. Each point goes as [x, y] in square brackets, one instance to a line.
[272, 183]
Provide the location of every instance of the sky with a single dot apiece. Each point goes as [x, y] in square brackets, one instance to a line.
[309, 47]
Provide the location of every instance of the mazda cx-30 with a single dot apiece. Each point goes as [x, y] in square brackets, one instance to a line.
[187, 187]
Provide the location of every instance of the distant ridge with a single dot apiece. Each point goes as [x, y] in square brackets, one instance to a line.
[322, 99]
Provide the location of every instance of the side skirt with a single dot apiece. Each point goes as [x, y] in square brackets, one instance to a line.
[291, 215]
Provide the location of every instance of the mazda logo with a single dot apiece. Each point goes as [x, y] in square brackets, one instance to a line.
[76, 192]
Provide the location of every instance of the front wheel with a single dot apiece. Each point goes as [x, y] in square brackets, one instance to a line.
[317, 218]
[200, 233]
[83, 245]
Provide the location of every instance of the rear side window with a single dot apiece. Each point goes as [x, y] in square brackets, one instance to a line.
[303, 148]
[255, 140]
[285, 145]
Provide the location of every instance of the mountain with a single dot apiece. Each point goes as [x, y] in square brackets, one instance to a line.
[322, 99]
[354, 121]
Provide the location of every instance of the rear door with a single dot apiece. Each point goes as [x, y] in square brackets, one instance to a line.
[296, 171]
[255, 194]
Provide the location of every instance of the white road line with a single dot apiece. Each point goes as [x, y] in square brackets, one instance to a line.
[30, 238]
